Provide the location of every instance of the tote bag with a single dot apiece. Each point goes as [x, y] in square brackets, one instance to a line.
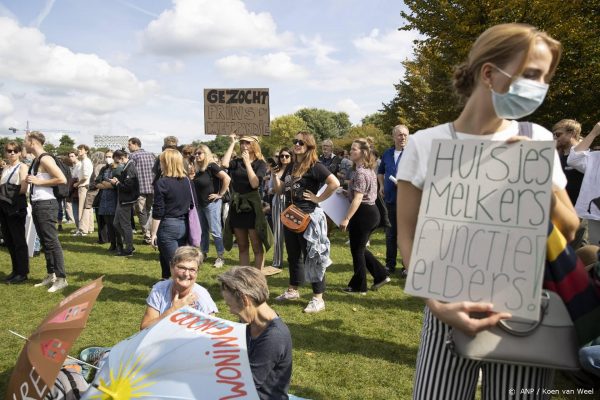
[194, 227]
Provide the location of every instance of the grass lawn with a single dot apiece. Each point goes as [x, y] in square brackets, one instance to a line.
[358, 348]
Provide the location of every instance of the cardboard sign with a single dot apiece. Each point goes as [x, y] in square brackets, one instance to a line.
[243, 111]
[482, 226]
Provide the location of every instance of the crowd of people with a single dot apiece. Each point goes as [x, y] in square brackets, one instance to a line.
[241, 198]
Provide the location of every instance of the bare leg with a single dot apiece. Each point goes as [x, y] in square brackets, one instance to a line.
[241, 237]
[257, 247]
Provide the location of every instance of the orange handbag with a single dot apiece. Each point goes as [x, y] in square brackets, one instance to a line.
[295, 219]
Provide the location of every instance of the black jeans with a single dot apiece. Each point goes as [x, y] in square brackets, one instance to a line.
[391, 238]
[13, 232]
[114, 237]
[45, 214]
[361, 225]
[295, 245]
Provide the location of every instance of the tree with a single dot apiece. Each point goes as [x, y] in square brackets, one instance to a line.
[219, 145]
[325, 124]
[65, 145]
[425, 96]
[382, 140]
[283, 131]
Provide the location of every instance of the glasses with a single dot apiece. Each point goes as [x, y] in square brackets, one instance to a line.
[284, 156]
[192, 271]
[298, 142]
[11, 151]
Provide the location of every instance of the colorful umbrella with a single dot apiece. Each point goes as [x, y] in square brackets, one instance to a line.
[187, 355]
[48, 346]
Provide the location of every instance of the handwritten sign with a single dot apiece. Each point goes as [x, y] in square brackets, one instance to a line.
[243, 111]
[482, 226]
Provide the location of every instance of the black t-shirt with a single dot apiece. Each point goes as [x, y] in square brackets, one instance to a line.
[206, 183]
[239, 175]
[312, 180]
[574, 178]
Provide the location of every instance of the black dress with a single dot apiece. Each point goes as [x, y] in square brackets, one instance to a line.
[241, 185]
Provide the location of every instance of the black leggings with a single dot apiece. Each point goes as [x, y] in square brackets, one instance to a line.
[361, 225]
[295, 245]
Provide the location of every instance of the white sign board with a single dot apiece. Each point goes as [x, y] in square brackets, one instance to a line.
[482, 226]
[335, 206]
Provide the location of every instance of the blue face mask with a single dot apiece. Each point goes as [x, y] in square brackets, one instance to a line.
[524, 96]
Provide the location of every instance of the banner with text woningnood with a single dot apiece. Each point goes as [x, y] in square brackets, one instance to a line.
[482, 225]
[243, 111]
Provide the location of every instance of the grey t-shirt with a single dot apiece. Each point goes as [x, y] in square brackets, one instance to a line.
[270, 356]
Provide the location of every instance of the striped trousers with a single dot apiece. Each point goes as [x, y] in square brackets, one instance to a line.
[278, 240]
[441, 374]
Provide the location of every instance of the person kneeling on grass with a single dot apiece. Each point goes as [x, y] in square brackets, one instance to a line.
[180, 290]
[269, 341]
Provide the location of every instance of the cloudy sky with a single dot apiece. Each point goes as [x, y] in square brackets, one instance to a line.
[139, 67]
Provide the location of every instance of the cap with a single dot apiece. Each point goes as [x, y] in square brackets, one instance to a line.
[249, 138]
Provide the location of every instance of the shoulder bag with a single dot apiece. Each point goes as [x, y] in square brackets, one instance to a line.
[293, 218]
[194, 227]
[550, 342]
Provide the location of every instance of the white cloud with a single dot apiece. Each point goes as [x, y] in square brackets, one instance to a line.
[350, 107]
[396, 45]
[89, 81]
[197, 26]
[277, 66]
[319, 50]
[170, 67]
[6, 106]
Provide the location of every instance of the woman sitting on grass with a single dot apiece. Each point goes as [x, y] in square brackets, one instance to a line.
[268, 338]
[180, 290]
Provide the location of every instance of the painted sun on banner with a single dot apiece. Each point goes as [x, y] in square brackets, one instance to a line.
[482, 226]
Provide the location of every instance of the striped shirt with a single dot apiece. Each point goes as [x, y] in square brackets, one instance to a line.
[143, 162]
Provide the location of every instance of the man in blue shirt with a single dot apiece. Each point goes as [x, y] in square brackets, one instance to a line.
[386, 175]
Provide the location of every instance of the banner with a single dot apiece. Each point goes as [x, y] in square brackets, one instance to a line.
[241, 111]
[188, 354]
[482, 226]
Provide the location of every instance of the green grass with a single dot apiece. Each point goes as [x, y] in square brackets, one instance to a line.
[358, 348]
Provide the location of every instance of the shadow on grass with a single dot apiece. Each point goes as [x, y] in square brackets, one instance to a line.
[132, 279]
[101, 250]
[330, 337]
[4, 378]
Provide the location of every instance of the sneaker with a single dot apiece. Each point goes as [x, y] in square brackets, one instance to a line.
[60, 228]
[48, 280]
[315, 305]
[125, 253]
[403, 273]
[349, 290]
[76, 233]
[219, 262]
[59, 284]
[290, 294]
[380, 284]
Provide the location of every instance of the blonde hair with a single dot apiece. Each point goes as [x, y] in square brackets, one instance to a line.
[39, 136]
[310, 158]
[570, 126]
[367, 155]
[171, 163]
[208, 157]
[255, 149]
[499, 45]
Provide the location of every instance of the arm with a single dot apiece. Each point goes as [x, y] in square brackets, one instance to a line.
[587, 141]
[229, 152]
[152, 316]
[225, 181]
[153, 231]
[23, 178]
[407, 212]
[356, 200]
[380, 180]
[252, 178]
[276, 180]
[563, 214]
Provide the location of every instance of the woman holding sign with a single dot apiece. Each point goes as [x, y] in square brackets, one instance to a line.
[504, 78]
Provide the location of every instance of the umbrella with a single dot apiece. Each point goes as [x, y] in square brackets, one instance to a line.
[48, 346]
[187, 355]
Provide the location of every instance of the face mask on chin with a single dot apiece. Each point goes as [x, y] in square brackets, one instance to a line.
[524, 96]
[109, 160]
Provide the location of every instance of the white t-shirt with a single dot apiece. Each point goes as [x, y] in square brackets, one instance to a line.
[85, 171]
[588, 163]
[414, 161]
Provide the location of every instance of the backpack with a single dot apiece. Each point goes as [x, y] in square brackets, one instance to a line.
[60, 191]
[69, 385]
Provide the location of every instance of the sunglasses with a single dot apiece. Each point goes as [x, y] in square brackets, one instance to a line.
[284, 156]
[298, 142]
[11, 151]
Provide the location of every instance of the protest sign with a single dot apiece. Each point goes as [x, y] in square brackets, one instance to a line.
[482, 226]
[243, 111]
[336, 206]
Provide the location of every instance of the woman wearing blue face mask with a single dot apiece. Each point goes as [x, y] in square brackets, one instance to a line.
[504, 78]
